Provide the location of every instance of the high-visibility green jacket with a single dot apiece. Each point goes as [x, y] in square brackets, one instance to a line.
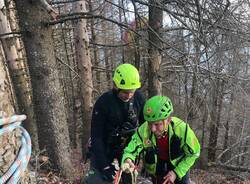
[184, 147]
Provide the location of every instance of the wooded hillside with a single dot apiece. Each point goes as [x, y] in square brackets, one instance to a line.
[58, 56]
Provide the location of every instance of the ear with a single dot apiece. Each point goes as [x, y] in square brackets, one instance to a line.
[169, 119]
[166, 122]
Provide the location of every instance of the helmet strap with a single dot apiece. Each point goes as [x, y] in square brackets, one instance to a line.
[169, 119]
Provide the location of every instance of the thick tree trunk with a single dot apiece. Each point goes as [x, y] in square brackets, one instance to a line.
[63, 44]
[48, 93]
[155, 23]
[10, 142]
[85, 67]
[19, 77]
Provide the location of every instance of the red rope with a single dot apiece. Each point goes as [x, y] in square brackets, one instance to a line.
[118, 176]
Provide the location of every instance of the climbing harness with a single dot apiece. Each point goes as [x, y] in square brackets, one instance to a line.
[18, 167]
[133, 172]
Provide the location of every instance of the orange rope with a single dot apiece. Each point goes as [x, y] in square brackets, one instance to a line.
[118, 176]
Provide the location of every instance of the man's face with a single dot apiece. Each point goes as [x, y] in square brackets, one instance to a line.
[158, 127]
[126, 95]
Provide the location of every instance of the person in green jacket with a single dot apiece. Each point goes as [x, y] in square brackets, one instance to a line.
[168, 145]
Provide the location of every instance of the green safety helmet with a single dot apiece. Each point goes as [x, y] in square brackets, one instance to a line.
[157, 108]
[126, 76]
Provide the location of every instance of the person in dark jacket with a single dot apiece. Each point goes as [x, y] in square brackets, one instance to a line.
[116, 115]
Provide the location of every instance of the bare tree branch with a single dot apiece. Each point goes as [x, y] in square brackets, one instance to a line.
[231, 167]
[63, 2]
[106, 45]
[53, 13]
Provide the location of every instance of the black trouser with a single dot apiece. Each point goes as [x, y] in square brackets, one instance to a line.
[94, 176]
[163, 167]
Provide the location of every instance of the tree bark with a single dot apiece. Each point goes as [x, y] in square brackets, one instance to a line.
[227, 127]
[194, 89]
[19, 77]
[10, 142]
[95, 50]
[215, 114]
[138, 26]
[85, 67]
[155, 24]
[48, 93]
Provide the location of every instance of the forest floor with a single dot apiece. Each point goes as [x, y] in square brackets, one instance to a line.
[198, 176]
[218, 176]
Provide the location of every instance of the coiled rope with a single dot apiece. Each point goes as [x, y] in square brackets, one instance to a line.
[16, 170]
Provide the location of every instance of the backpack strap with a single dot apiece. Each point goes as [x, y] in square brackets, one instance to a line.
[132, 116]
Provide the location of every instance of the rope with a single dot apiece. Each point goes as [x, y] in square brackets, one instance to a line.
[118, 176]
[133, 172]
[16, 170]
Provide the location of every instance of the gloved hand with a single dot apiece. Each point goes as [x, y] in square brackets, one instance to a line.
[108, 173]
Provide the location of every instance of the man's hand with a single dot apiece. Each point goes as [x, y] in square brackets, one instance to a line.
[108, 173]
[169, 178]
[128, 166]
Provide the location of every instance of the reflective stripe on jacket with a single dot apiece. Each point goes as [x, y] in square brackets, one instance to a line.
[184, 147]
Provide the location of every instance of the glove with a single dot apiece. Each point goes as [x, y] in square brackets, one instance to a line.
[108, 173]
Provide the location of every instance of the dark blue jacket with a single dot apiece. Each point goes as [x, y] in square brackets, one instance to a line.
[110, 113]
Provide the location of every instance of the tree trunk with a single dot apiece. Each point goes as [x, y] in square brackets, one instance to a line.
[64, 52]
[227, 127]
[193, 94]
[155, 24]
[19, 77]
[120, 2]
[95, 50]
[107, 63]
[48, 93]
[10, 142]
[216, 105]
[138, 26]
[85, 66]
